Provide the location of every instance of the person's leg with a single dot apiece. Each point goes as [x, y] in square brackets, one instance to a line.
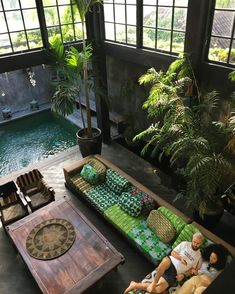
[134, 285]
[162, 267]
[200, 290]
[161, 286]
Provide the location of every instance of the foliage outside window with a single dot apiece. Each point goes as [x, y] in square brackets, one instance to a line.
[62, 18]
[120, 21]
[164, 24]
[222, 39]
[19, 26]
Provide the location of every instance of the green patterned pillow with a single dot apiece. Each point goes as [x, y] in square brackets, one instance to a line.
[130, 204]
[186, 234]
[161, 226]
[90, 174]
[115, 182]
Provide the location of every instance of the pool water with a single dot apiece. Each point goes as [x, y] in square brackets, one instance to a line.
[31, 139]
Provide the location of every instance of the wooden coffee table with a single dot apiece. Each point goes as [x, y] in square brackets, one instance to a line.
[89, 258]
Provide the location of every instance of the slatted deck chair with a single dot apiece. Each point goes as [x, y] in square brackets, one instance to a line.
[35, 189]
[12, 206]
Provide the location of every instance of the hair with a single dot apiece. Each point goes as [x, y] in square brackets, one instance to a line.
[198, 235]
[221, 253]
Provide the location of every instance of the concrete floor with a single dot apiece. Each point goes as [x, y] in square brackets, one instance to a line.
[14, 276]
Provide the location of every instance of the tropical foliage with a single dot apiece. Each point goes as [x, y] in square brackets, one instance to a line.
[202, 147]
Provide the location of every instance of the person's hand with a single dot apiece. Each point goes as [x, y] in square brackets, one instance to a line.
[182, 259]
[150, 288]
[180, 277]
[193, 271]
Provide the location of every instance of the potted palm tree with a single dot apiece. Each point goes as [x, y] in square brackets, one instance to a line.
[203, 148]
[73, 66]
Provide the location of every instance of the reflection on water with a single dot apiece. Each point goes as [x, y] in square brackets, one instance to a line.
[26, 141]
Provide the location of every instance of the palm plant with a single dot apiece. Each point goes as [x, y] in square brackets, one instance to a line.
[202, 147]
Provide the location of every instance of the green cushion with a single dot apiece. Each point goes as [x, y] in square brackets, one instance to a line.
[178, 223]
[148, 242]
[130, 204]
[115, 182]
[161, 226]
[90, 174]
[120, 219]
[186, 234]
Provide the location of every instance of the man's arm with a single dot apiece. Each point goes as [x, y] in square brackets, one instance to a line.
[176, 255]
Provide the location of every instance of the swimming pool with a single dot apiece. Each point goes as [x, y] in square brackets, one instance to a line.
[31, 139]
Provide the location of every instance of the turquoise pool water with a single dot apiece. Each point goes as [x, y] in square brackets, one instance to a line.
[31, 139]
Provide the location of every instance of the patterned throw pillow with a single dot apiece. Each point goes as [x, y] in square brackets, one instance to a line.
[99, 166]
[90, 174]
[130, 204]
[115, 182]
[161, 226]
[148, 202]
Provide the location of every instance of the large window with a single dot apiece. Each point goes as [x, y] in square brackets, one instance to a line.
[164, 24]
[222, 40]
[62, 18]
[120, 21]
[19, 26]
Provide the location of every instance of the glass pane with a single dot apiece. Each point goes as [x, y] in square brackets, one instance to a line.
[14, 20]
[51, 16]
[222, 24]
[67, 33]
[65, 14]
[60, 2]
[108, 1]
[164, 17]
[0, 6]
[183, 3]
[119, 1]
[131, 14]
[180, 19]
[109, 31]
[49, 2]
[178, 42]
[232, 54]
[120, 13]
[149, 2]
[76, 15]
[130, 1]
[5, 44]
[149, 37]
[225, 4]
[219, 48]
[53, 31]
[78, 31]
[34, 38]
[31, 19]
[28, 4]
[131, 35]
[3, 27]
[149, 16]
[163, 40]
[13, 4]
[108, 13]
[165, 2]
[121, 33]
[19, 41]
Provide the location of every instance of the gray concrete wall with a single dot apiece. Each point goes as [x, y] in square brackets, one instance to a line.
[19, 91]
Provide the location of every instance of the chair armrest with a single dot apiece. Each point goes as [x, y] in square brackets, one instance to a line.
[27, 198]
[22, 198]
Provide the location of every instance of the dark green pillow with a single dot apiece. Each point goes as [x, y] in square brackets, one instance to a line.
[130, 204]
[90, 174]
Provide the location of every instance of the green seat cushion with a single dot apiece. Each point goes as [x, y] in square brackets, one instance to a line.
[178, 223]
[186, 234]
[120, 219]
[148, 242]
[90, 174]
[101, 197]
[80, 184]
[130, 204]
[115, 181]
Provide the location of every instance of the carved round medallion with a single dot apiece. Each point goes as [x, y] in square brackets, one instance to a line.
[50, 239]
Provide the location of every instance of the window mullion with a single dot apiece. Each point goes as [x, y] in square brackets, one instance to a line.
[42, 23]
[26, 36]
[231, 40]
[156, 26]
[139, 24]
[8, 31]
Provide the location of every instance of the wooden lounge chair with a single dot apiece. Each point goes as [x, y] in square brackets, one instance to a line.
[12, 206]
[35, 189]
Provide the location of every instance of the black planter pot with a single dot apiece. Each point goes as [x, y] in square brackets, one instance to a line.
[209, 219]
[87, 145]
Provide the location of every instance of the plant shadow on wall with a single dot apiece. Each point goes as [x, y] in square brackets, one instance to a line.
[200, 147]
[72, 75]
